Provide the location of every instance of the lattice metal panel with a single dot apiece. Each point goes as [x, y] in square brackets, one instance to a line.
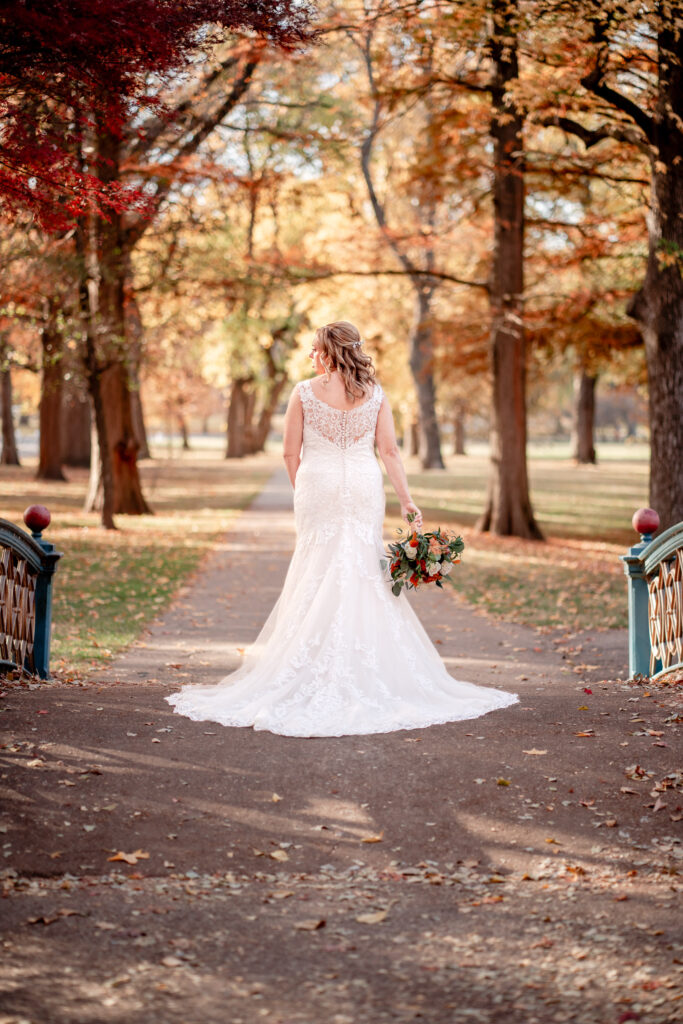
[665, 589]
[17, 610]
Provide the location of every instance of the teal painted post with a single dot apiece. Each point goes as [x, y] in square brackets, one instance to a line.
[43, 612]
[37, 518]
[638, 624]
[645, 521]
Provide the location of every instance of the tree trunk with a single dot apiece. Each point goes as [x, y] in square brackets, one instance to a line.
[10, 455]
[135, 336]
[51, 401]
[184, 434]
[277, 378]
[658, 306]
[459, 429]
[75, 428]
[583, 446]
[114, 409]
[101, 472]
[138, 418]
[421, 341]
[422, 367]
[261, 429]
[237, 420]
[508, 510]
[411, 435]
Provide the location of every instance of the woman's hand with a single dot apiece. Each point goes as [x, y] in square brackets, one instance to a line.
[410, 508]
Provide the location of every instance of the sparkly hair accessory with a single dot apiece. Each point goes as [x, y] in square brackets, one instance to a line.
[356, 344]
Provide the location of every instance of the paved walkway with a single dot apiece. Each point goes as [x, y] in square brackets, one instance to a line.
[517, 868]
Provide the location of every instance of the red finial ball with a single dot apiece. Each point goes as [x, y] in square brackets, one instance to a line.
[37, 518]
[645, 520]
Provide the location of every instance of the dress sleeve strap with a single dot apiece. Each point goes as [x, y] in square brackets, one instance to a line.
[305, 393]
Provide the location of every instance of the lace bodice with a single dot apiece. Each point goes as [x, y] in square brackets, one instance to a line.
[344, 428]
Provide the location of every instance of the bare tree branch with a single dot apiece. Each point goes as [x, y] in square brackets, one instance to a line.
[592, 136]
[206, 125]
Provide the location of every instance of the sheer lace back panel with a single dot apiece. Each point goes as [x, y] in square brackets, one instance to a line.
[339, 483]
[342, 427]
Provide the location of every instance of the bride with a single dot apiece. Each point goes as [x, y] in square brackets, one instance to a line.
[339, 654]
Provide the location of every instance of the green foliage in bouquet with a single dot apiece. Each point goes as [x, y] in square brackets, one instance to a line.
[421, 558]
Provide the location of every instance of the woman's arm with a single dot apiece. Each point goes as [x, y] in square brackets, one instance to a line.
[385, 436]
[293, 435]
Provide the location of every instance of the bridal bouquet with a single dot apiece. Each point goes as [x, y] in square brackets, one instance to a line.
[421, 558]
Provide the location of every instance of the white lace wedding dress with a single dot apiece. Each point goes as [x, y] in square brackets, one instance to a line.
[339, 654]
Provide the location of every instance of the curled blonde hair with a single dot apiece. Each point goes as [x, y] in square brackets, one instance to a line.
[341, 349]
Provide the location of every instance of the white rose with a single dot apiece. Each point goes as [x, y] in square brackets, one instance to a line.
[410, 551]
[434, 568]
[446, 568]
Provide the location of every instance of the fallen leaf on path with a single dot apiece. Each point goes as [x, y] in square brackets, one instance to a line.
[171, 961]
[275, 798]
[589, 735]
[373, 839]
[503, 782]
[375, 917]
[130, 858]
[281, 894]
[311, 925]
[62, 912]
[279, 855]
[534, 751]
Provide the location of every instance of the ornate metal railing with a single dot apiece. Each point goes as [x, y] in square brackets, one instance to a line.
[27, 567]
[655, 599]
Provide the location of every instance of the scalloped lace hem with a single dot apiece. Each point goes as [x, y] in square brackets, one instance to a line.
[182, 704]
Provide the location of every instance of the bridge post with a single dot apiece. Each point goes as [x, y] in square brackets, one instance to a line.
[37, 518]
[27, 567]
[645, 522]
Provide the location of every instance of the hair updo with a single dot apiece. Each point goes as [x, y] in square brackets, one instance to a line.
[341, 349]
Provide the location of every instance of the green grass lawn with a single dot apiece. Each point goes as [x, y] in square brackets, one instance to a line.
[110, 584]
[569, 500]
[575, 579]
